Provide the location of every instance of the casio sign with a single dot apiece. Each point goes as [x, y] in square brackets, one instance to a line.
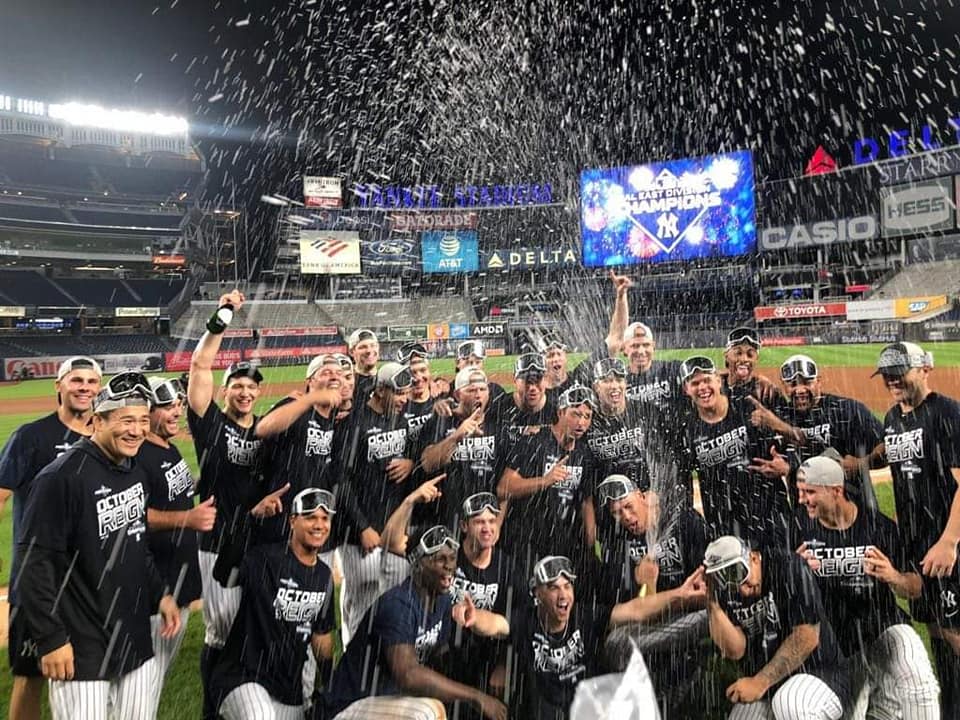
[825, 232]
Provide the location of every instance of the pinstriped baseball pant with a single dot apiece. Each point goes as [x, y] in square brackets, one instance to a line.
[130, 697]
[251, 701]
[801, 697]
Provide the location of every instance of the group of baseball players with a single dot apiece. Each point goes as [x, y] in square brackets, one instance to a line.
[385, 545]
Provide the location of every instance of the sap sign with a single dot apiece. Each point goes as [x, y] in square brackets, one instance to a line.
[449, 252]
[666, 211]
[825, 232]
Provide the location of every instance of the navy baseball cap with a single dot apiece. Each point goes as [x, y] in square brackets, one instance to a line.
[242, 368]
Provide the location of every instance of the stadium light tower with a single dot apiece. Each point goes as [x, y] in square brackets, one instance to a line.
[75, 113]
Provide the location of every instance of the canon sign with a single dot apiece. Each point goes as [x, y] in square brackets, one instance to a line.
[824, 232]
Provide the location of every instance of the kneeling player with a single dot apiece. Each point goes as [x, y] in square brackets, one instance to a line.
[765, 612]
[852, 552]
[287, 602]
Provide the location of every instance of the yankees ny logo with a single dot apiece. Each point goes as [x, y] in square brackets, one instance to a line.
[667, 225]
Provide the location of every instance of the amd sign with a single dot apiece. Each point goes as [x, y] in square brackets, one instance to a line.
[824, 232]
[486, 329]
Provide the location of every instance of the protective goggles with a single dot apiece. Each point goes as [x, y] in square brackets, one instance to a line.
[401, 379]
[694, 365]
[310, 500]
[530, 364]
[552, 342]
[549, 570]
[733, 575]
[743, 336]
[609, 366]
[411, 351]
[803, 368]
[471, 348]
[123, 387]
[168, 392]
[478, 502]
[577, 395]
[615, 487]
[433, 541]
[346, 362]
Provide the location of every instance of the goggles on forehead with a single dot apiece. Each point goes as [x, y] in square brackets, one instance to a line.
[697, 364]
[743, 336]
[410, 351]
[123, 387]
[801, 367]
[550, 569]
[168, 392]
[609, 366]
[433, 541]
[577, 395]
[310, 500]
[345, 361]
[401, 379]
[615, 487]
[478, 502]
[530, 363]
[470, 348]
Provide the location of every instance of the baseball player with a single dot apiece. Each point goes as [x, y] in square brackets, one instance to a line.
[373, 455]
[554, 351]
[286, 606]
[526, 410]
[741, 487]
[765, 612]
[548, 483]
[173, 520]
[922, 446]
[472, 353]
[228, 450]
[827, 420]
[740, 358]
[558, 641]
[348, 381]
[854, 553]
[29, 449]
[384, 672]
[468, 446]
[651, 557]
[89, 585]
[364, 349]
[419, 408]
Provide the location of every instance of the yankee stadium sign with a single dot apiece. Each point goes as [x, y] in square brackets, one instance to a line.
[371, 195]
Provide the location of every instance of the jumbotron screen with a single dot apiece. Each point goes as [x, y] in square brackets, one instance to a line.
[668, 211]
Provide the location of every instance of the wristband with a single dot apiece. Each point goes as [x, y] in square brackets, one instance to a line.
[220, 319]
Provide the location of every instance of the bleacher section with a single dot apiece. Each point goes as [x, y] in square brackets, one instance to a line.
[935, 278]
[32, 287]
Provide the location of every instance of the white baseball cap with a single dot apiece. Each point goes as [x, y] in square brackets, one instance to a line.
[358, 336]
[469, 376]
[899, 358]
[822, 471]
[319, 361]
[637, 327]
[79, 362]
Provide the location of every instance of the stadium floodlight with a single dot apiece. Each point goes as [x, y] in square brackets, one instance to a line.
[122, 120]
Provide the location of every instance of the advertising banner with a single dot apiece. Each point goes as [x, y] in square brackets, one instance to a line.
[12, 311]
[390, 255]
[238, 333]
[669, 211]
[324, 192]
[908, 307]
[299, 331]
[871, 310]
[292, 352]
[180, 360]
[784, 340]
[802, 311]
[487, 329]
[824, 232]
[529, 259]
[917, 208]
[407, 332]
[459, 330]
[170, 260]
[136, 312]
[449, 252]
[46, 367]
[329, 252]
[438, 331]
[406, 222]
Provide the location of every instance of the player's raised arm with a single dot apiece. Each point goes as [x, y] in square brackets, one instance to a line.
[200, 387]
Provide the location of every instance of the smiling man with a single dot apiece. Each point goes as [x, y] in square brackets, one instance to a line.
[741, 356]
[29, 449]
[364, 349]
[922, 446]
[89, 584]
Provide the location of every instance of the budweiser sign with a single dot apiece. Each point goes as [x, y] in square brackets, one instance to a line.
[801, 311]
[433, 220]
